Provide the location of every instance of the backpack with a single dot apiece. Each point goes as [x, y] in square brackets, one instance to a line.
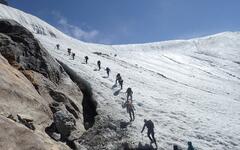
[129, 91]
[150, 123]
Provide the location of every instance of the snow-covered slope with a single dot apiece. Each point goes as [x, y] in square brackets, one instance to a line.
[190, 89]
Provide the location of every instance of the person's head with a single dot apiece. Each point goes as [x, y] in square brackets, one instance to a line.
[189, 143]
[145, 120]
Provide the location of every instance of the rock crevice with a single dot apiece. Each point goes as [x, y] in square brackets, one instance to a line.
[88, 103]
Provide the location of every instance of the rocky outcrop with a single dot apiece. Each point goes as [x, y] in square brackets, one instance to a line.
[19, 46]
[16, 136]
[89, 104]
[3, 2]
[37, 97]
[18, 96]
[107, 133]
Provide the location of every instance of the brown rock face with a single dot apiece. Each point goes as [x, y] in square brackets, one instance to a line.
[39, 103]
[18, 93]
[16, 136]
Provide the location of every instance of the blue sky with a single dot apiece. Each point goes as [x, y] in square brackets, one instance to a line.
[136, 21]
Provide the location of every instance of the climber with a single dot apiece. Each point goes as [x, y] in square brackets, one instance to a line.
[175, 147]
[108, 71]
[118, 77]
[69, 51]
[86, 59]
[129, 93]
[121, 82]
[190, 147]
[99, 64]
[57, 46]
[130, 110]
[150, 126]
[73, 56]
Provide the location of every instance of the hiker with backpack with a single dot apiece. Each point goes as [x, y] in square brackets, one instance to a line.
[190, 146]
[69, 51]
[86, 59]
[73, 56]
[108, 71]
[99, 65]
[118, 77]
[130, 109]
[129, 93]
[150, 130]
[175, 147]
[58, 46]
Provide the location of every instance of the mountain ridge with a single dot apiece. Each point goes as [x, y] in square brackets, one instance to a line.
[156, 42]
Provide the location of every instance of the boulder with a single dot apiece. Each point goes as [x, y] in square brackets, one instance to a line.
[64, 122]
[16, 136]
[56, 136]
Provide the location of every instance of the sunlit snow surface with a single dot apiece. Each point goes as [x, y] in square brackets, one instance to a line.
[190, 89]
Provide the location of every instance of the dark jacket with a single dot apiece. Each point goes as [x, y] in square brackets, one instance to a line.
[129, 91]
[149, 124]
[107, 69]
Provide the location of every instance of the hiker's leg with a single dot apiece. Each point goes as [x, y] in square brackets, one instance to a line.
[130, 116]
[149, 136]
[133, 115]
[154, 140]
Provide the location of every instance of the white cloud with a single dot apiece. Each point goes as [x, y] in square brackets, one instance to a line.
[75, 31]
